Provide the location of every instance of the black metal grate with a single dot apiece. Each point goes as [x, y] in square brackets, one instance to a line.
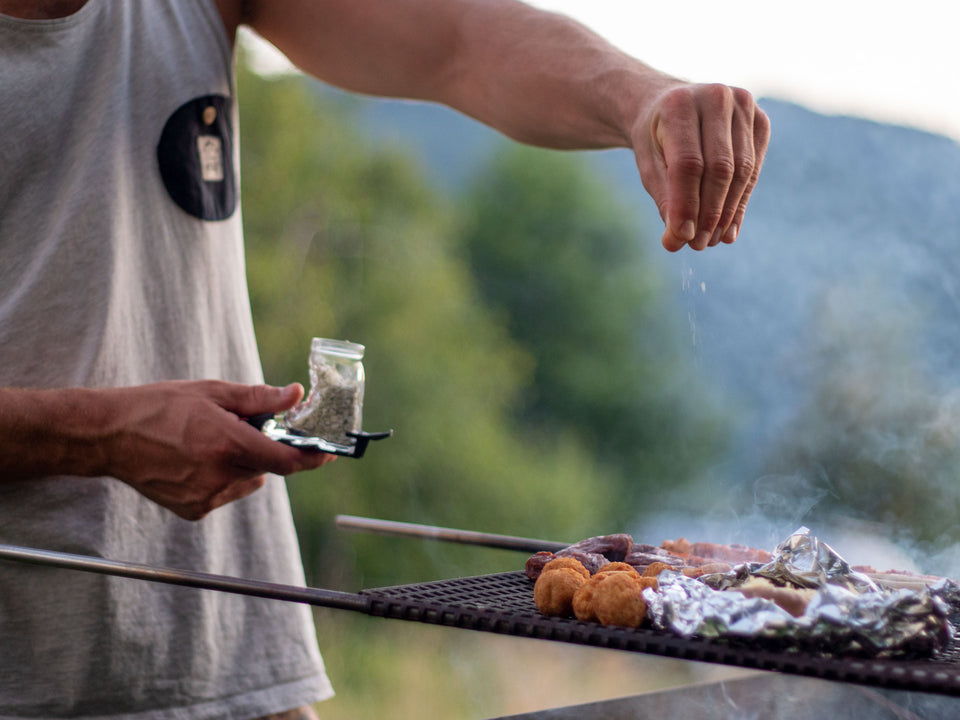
[503, 603]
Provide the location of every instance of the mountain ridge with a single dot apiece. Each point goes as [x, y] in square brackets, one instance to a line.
[844, 279]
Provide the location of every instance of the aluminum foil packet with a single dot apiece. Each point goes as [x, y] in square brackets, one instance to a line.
[847, 613]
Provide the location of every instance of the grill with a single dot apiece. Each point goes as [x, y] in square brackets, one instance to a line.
[503, 603]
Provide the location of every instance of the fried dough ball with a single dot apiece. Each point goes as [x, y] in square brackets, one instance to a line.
[583, 598]
[567, 562]
[648, 582]
[653, 569]
[618, 567]
[554, 590]
[617, 600]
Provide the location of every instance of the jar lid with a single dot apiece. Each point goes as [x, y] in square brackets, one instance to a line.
[341, 348]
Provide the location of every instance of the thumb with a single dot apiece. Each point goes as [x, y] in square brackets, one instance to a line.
[259, 399]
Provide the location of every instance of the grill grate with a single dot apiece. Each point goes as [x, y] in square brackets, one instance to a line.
[503, 603]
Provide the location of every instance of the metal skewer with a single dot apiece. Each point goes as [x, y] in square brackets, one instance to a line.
[257, 588]
[432, 532]
[189, 578]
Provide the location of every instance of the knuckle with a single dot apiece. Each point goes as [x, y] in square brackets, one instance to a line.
[259, 394]
[678, 101]
[722, 168]
[224, 450]
[747, 191]
[718, 94]
[690, 164]
[679, 95]
[710, 219]
[743, 98]
[743, 171]
[761, 127]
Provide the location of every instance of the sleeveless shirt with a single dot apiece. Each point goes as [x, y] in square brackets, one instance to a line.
[121, 262]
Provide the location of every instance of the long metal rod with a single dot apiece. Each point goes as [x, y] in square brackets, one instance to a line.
[189, 578]
[432, 532]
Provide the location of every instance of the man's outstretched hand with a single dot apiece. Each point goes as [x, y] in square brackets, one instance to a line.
[699, 149]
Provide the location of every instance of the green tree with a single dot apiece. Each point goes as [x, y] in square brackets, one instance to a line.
[563, 262]
[346, 240]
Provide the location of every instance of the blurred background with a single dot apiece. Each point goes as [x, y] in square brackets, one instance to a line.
[551, 372]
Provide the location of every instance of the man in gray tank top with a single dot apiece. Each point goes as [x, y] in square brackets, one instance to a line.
[127, 354]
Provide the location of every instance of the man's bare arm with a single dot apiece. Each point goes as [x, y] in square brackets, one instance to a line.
[543, 79]
[184, 445]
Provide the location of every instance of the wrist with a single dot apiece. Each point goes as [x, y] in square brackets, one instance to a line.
[84, 436]
[53, 431]
[636, 105]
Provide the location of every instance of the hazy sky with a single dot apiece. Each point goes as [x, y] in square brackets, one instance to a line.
[892, 61]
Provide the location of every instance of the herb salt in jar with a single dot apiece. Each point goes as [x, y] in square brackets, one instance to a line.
[334, 405]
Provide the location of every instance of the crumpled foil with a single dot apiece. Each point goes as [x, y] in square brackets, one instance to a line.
[802, 560]
[848, 614]
[947, 590]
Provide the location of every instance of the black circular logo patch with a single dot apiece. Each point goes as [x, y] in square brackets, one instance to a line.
[195, 154]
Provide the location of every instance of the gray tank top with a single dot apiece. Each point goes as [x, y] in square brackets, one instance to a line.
[121, 262]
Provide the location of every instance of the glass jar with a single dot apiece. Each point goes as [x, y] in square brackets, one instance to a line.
[334, 405]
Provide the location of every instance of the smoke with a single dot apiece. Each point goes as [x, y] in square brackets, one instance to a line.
[876, 426]
[790, 499]
[831, 329]
[943, 561]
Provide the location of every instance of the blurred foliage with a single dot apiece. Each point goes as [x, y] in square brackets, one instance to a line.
[552, 408]
[347, 242]
[519, 344]
[558, 257]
